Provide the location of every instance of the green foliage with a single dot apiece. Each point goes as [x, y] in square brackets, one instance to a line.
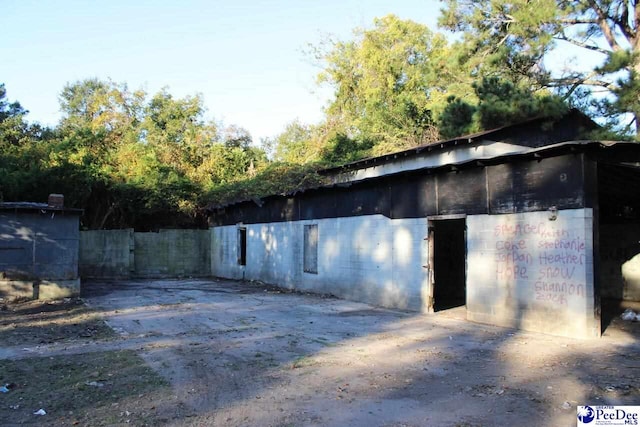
[615, 62]
[277, 178]
[500, 103]
[342, 149]
[13, 127]
[102, 107]
[511, 38]
[507, 35]
[128, 160]
[237, 137]
[9, 109]
[131, 159]
[457, 118]
[391, 83]
[295, 144]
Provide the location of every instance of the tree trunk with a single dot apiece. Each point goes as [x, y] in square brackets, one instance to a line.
[635, 75]
[105, 217]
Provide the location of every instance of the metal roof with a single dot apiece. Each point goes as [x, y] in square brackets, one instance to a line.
[540, 152]
[574, 114]
[33, 206]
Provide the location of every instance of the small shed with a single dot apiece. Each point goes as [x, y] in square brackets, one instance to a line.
[39, 249]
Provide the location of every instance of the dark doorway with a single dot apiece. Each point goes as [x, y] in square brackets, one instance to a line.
[242, 246]
[617, 246]
[448, 259]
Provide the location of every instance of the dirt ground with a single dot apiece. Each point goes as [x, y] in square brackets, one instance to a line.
[230, 353]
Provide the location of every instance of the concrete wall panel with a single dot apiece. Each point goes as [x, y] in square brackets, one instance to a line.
[370, 258]
[172, 253]
[106, 253]
[123, 253]
[531, 271]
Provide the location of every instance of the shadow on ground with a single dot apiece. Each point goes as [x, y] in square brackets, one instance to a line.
[245, 354]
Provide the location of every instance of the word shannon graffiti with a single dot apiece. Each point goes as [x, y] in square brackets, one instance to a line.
[558, 292]
[545, 258]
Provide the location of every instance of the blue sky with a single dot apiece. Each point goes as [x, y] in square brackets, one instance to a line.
[245, 58]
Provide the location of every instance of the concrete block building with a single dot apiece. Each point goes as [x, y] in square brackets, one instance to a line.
[526, 226]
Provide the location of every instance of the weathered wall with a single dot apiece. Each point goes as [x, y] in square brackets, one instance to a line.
[620, 261]
[106, 253]
[529, 272]
[40, 248]
[523, 270]
[123, 253]
[371, 258]
[172, 253]
[522, 185]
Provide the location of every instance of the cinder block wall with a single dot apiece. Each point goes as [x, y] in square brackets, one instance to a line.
[369, 258]
[530, 272]
[172, 253]
[40, 245]
[106, 253]
[123, 253]
[39, 254]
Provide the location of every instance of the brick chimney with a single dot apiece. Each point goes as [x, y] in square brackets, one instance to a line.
[56, 201]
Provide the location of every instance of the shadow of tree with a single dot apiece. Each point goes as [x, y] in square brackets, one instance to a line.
[100, 388]
[267, 358]
[36, 322]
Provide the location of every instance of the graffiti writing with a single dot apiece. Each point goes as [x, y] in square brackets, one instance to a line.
[543, 257]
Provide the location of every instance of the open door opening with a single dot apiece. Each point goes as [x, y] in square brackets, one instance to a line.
[448, 259]
[618, 245]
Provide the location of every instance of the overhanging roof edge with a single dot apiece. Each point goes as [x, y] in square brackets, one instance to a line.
[550, 151]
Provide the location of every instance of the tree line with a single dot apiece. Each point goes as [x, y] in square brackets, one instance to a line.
[148, 161]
